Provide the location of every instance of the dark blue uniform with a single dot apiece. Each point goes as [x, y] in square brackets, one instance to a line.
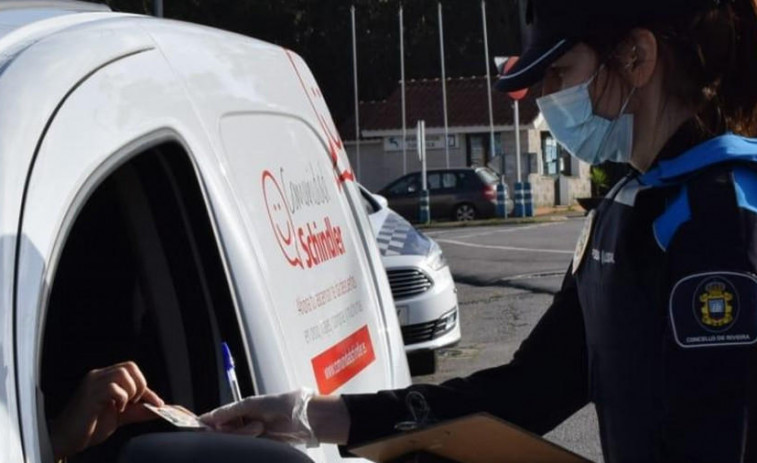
[655, 323]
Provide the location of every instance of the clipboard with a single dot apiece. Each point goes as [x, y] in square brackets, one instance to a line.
[477, 438]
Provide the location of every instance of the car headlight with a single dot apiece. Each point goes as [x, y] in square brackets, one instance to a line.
[435, 258]
[446, 323]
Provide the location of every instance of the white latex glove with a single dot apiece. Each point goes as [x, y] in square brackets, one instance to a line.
[282, 417]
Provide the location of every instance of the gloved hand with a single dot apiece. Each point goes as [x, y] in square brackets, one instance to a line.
[282, 417]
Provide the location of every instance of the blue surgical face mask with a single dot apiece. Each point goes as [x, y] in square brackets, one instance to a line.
[588, 137]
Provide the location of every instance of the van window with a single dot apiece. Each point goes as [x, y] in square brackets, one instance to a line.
[140, 278]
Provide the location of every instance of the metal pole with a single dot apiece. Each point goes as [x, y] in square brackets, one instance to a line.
[357, 105]
[517, 139]
[444, 86]
[424, 214]
[488, 81]
[402, 81]
[158, 8]
[422, 150]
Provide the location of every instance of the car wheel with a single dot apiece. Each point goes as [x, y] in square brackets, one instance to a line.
[422, 362]
[465, 212]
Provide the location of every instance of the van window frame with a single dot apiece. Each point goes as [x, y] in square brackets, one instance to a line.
[95, 178]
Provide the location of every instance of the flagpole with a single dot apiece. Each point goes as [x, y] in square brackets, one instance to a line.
[444, 85]
[402, 91]
[357, 105]
[488, 82]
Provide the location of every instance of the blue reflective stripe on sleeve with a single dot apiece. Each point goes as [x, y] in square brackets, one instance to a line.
[745, 184]
[674, 216]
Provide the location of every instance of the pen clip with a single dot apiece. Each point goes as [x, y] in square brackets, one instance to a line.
[228, 359]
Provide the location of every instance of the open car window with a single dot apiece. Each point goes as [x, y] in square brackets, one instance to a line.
[141, 278]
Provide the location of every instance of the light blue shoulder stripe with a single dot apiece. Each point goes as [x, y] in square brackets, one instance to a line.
[677, 214]
[724, 148]
[745, 184]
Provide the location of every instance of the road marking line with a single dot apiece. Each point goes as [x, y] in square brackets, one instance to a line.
[504, 248]
[491, 232]
[528, 276]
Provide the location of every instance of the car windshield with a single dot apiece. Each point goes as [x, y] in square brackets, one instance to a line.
[487, 175]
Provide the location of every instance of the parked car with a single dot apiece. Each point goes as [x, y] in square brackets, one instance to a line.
[455, 194]
[422, 286]
[167, 187]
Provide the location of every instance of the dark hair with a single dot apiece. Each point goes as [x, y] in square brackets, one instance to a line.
[710, 59]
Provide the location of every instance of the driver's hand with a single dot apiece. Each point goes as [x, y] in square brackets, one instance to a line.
[105, 399]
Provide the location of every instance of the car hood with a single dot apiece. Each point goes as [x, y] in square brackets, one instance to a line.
[396, 237]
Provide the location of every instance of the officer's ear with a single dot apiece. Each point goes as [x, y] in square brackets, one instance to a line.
[637, 57]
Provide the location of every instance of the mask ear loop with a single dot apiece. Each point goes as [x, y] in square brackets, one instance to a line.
[625, 104]
[594, 76]
[615, 121]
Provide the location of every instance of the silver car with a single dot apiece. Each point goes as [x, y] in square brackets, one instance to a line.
[424, 291]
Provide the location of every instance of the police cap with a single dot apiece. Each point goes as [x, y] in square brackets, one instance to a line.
[554, 26]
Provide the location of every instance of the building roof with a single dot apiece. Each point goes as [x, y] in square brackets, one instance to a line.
[467, 106]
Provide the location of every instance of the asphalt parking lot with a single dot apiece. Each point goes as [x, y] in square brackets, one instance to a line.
[506, 276]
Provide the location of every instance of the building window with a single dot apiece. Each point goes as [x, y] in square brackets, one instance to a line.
[555, 158]
[477, 150]
[550, 158]
[568, 164]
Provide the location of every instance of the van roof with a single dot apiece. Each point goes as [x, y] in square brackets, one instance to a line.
[15, 14]
[70, 5]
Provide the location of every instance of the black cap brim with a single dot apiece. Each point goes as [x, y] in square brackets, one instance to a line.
[532, 65]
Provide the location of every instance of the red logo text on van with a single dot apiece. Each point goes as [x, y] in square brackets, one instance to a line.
[343, 361]
[281, 219]
[306, 245]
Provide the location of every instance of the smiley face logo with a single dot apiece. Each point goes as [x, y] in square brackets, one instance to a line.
[280, 219]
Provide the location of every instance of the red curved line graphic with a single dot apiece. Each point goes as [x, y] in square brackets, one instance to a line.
[292, 261]
[335, 142]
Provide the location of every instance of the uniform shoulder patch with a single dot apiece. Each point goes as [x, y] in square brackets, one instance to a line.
[714, 309]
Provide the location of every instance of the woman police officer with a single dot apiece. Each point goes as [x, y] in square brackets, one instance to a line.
[657, 317]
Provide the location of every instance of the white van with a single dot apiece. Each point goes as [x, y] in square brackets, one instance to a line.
[165, 187]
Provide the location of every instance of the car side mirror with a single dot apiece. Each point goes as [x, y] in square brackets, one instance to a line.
[412, 189]
[381, 201]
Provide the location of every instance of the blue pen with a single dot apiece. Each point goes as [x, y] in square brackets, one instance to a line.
[231, 374]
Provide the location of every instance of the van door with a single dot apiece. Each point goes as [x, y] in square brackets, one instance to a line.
[118, 256]
[304, 262]
[314, 264]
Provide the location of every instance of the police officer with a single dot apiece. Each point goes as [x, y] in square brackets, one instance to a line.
[656, 321]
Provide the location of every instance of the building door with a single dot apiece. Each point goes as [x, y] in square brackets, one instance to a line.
[477, 149]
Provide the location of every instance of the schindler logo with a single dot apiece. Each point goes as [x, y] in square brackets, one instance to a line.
[307, 245]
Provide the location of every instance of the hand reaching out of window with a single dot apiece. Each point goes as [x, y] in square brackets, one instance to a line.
[105, 399]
